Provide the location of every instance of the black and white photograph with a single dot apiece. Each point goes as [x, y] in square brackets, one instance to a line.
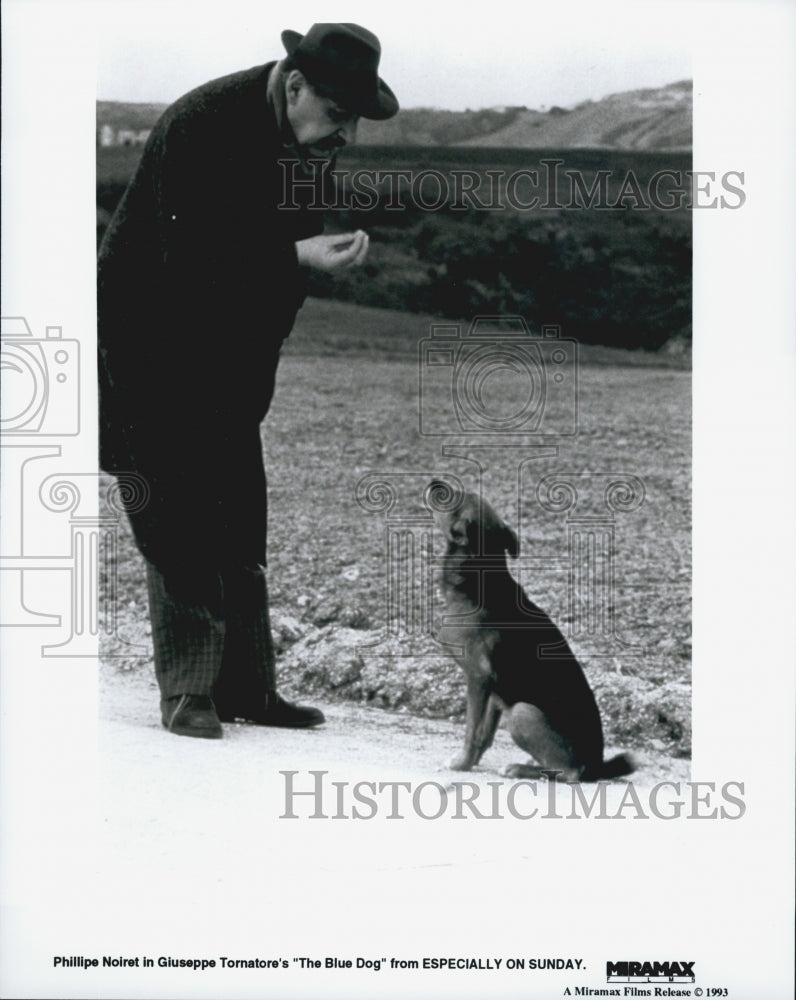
[396, 553]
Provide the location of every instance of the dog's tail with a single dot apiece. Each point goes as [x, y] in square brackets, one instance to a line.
[616, 767]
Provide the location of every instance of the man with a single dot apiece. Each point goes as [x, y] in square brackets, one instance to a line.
[201, 273]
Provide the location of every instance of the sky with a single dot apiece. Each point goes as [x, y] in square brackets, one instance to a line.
[447, 55]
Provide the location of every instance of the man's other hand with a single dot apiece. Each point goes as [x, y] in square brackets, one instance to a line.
[333, 253]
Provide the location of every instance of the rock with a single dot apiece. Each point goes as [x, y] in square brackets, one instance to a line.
[365, 665]
[286, 630]
[390, 672]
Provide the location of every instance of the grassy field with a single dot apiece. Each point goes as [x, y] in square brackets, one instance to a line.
[347, 407]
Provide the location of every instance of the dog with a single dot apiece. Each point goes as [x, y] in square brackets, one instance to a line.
[514, 657]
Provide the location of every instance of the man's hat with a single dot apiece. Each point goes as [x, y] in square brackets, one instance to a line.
[343, 59]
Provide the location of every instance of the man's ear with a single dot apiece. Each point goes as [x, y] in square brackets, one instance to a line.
[295, 82]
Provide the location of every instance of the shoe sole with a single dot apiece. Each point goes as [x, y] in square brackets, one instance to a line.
[203, 734]
[275, 725]
[212, 732]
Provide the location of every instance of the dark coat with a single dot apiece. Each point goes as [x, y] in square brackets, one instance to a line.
[198, 287]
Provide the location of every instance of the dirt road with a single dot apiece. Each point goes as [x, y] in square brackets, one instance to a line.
[156, 783]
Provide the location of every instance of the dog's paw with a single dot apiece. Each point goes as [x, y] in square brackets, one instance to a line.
[521, 771]
[459, 763]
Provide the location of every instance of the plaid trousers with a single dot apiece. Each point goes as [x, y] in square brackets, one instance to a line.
[211, 632]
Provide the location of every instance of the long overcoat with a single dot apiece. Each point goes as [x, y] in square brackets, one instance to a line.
[198, 286]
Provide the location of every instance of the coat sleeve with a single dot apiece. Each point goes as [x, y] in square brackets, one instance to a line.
[226, 241]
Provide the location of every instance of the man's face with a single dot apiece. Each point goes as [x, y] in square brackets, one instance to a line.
[319, 124]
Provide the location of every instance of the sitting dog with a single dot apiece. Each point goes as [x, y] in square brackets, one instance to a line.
[516, 660]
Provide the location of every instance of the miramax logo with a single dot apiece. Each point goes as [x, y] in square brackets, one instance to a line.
[650, 972]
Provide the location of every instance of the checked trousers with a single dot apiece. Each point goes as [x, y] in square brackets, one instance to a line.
[211, 633]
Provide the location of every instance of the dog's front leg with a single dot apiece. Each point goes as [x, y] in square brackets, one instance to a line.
[485, 734]
[477, 724]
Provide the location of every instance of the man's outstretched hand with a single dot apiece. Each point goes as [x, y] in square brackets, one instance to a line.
[333, 253]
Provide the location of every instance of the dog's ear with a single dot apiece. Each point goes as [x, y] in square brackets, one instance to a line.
[511, 542]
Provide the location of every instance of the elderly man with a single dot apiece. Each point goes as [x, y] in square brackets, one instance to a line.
[201, 273]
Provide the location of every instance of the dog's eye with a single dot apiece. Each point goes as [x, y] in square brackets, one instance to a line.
[458, 531]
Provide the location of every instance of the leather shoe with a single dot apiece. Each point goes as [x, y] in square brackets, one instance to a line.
[191, 715]
[277, 712]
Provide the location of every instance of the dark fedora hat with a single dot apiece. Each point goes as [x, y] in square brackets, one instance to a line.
[343, 61]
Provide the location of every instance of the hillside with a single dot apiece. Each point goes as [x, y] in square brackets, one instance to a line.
[119, 114]
[637, 119]
[649, 120]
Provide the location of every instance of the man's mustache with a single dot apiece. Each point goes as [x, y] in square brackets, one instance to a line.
[330, 142]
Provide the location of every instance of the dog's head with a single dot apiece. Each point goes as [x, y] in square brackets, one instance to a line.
[471, 526]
